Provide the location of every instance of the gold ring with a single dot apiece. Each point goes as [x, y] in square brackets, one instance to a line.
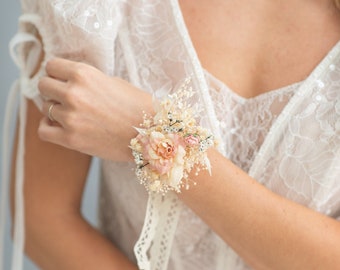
[50, 109]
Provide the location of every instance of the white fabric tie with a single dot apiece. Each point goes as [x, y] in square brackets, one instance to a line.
[10, 108]
[162, 216]
[23, 86]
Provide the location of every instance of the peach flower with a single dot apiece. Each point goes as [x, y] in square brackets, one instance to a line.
[165, 155]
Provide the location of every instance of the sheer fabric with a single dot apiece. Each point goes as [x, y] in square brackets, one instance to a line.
[195, 244]
[292, 145]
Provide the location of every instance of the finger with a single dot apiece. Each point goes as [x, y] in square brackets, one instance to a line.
[51, 132]
[60, 68]
[52, 89]
[52, 111]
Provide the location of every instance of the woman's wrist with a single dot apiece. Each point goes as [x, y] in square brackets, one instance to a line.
[171, 144]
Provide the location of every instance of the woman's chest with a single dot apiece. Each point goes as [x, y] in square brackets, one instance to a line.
[257, 47]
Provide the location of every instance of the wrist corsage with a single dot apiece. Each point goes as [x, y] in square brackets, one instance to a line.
[170, 144]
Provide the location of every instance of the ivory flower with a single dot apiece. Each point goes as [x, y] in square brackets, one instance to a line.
[177, 171]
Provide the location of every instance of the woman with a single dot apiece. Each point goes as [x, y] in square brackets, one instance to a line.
[272, 199]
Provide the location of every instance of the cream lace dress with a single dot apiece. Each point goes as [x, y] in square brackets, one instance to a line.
[287, 139]
[245, 124]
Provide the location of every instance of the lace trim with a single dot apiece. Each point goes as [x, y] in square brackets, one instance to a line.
[202, 83]
[160, 257]
[222, 88]
[159, 227]
[281, 122]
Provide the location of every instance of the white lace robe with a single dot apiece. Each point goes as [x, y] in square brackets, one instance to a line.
[295, 153]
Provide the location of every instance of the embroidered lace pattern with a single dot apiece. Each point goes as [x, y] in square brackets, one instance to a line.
[246, 122]
[287, 139]
[195, 244]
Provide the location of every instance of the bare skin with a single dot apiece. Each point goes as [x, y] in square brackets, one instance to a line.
[253, 47]
[57, 236]
[307, 240]
[258, 46]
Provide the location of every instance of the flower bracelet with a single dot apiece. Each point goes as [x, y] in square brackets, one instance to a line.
[170, 144]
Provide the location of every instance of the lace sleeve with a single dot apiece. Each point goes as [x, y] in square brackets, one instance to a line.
[82, 30]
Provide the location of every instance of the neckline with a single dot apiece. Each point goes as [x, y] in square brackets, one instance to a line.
[200, 70]
[300, 94]
[243, 100]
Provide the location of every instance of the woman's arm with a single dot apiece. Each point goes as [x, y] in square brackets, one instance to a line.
[57, 236]
[267, 230]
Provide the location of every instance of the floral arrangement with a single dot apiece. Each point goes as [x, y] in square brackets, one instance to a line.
[170, 144]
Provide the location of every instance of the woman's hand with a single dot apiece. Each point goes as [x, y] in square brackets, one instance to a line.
[92, 112]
